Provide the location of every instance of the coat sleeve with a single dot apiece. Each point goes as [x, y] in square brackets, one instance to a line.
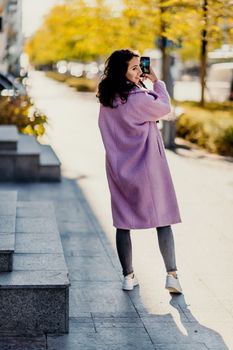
[147, 107]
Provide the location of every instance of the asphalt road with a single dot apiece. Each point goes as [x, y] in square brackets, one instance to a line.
[204, 239]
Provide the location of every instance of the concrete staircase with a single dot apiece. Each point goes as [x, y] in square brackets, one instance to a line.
[34, 282]
[22, 158]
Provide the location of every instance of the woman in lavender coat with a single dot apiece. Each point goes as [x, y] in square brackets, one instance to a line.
[140, 184]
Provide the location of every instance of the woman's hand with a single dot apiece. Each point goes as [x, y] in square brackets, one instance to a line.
[152, 76]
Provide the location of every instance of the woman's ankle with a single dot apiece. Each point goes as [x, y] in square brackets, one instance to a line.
[130, 275]
[173, 273]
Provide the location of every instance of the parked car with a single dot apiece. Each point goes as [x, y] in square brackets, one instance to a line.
[76, 69]
[219, 82]
[91, 70]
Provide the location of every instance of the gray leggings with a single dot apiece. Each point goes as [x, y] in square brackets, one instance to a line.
[166, 246]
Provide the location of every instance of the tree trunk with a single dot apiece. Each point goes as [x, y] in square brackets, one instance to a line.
[168, 127]
[163, 44]
[203, 56]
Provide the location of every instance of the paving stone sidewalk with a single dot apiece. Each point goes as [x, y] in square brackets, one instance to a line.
[102, 316]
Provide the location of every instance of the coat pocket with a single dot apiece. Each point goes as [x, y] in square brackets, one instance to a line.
[160, 147]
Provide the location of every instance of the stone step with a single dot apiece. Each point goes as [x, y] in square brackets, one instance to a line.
[35, 295]
[29, 161]
[49, 164]
[23, 163]
[27, 144]
[8, 137]
[7, 229]
[9, 197]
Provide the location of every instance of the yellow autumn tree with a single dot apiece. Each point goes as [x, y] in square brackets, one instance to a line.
[201, 25]
[77, 30]
[73, 30]
[196, 26]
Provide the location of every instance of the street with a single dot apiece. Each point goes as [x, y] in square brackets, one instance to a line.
[204, 241]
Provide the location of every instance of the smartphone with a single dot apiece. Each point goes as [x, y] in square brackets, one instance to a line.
[145, 64]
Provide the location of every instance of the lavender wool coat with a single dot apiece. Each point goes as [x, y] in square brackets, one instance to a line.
[142, 192]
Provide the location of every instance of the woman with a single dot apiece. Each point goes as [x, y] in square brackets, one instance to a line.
[142, 192]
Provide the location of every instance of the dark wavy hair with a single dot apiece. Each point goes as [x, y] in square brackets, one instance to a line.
[113, 81]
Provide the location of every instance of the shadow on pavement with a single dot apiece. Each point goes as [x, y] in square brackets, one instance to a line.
[102, 316]
[194, 329]
[170, 333]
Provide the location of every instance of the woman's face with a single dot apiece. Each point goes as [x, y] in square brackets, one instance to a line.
[134, 71]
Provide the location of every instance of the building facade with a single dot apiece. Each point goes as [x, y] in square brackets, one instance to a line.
[11, 36]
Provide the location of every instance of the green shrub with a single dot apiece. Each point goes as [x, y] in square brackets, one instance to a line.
[21, 112]
[210, 127]
[80, 84]
[224, 143]
[56, 76]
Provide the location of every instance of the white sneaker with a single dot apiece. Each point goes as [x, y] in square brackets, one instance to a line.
[173, 284]
[129, 282]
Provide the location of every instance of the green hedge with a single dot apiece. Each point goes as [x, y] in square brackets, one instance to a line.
[81, 84]
[210, 127]
[21, 112]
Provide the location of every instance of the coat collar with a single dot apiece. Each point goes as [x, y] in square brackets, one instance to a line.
[138, 90]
